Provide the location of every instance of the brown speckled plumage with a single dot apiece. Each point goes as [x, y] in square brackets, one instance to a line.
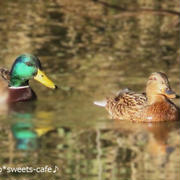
[154, 106]
[124, 104]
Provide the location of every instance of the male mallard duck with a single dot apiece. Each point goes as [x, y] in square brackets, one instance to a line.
[153, 106]
[25, 67]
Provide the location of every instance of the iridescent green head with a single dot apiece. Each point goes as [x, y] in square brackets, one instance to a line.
[26, 67]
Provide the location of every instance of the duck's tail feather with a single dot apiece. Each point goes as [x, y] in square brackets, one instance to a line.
[5, 74]
[100, 103]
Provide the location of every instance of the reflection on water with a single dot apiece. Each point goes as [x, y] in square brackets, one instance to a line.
[90, 50]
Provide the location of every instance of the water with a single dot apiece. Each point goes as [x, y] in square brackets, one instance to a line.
[90, 51]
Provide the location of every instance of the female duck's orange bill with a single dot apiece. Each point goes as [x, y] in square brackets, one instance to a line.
[170, 94]
[43, 79]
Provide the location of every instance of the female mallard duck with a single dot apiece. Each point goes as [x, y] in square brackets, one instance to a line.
[153, 106]
[25, 67]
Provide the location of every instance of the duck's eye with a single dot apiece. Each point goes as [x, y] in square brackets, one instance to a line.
[29, 64]
[153, 78]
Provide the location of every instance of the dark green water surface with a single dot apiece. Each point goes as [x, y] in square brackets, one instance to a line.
[90, 49]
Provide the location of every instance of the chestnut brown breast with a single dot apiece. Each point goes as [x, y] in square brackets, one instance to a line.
[21, 94]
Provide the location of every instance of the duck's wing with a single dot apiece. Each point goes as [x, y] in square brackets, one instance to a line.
[5, 74]
[125, 104]
[103, 103]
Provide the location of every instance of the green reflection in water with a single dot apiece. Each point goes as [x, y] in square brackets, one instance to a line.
[91, 51]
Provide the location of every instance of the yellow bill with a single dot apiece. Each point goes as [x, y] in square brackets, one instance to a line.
[43, 79]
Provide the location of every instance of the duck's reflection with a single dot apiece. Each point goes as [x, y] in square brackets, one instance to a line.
[157, 134]
[24, 134]
[28, 125]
